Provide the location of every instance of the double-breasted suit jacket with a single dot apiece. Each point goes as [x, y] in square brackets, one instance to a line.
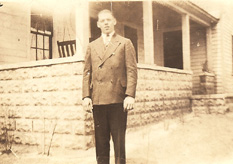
[110, 74]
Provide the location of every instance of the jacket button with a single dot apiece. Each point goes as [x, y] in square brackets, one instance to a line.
[111, 81]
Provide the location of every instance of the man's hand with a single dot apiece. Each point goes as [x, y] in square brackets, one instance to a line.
[87, 104]
[129, 103]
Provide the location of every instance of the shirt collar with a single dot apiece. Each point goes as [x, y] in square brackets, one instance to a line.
[110, 34]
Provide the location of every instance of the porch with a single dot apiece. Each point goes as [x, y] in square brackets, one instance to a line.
[170, 34]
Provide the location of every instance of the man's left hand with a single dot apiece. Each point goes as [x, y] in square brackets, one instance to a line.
[129, 103]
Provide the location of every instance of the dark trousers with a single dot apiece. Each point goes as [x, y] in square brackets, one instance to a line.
[110, 120]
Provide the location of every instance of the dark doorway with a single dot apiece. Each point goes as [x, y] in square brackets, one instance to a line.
[173, 55]
[131, 34]
[95, 31]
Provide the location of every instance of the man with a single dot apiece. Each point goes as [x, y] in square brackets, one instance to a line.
[109, 87]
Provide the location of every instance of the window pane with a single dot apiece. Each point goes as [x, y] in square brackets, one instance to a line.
[39, 54]
[46, 54]
[33, 54]
[39, 41]
[46, 44]
[33, 40]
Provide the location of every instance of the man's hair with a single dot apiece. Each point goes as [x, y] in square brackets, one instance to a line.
[106, 11]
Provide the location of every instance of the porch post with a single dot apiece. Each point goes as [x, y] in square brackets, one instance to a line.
[82, 28]
[148, 32]
[208, 49]
[186, 42]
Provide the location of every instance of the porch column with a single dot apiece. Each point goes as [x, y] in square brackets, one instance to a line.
[208, 49]
[186, 42]
[148, 32]
[82, 28]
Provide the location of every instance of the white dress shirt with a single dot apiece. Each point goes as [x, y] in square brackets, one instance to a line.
[107, 37]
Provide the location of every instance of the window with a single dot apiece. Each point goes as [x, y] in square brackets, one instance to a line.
[41, 35]
[173, 55]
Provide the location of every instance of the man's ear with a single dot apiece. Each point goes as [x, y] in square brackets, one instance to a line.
[98, 24]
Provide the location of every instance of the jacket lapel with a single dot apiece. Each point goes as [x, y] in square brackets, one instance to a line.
[100, 47]
[114, 43]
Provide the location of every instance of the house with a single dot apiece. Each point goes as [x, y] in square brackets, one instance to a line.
[184, 55]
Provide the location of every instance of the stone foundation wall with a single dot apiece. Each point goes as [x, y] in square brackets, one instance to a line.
[40, 102]
[161, 92]
[207, 104]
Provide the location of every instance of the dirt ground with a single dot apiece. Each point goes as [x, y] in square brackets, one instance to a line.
[202, 139]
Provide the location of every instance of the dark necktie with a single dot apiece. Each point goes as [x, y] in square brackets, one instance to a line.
[107, 40]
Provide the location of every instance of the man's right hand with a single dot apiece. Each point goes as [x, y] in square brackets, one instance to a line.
[87, 104]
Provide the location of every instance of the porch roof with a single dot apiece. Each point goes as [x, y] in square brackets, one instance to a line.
[195, 12]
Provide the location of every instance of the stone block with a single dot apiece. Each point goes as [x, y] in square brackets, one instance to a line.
[22, 74]
[77, 68]
[133, 120]
[218, 109]
[88, 116]
[219, 102]
[63, 127]
[42, 99]
[29, 138]
[32, 85]
[32, 112]
[71, 83]
[55, 140]
[89, 141]
[2, 123]
[146, 118]
[24, 125]
[200, 110]
[162, 75]
[155, 116]
[18, 137]
[13, 86]
[52, 112]
[159, 105]
[7, 75]
[61, 70]
[43, 125]
[79, 127]
[21, 99]
[7, 100]
[40, 72]
[139, 107]
[73, 113]
[50, 84]
[15, 112]
[149, 107]
[89, 127]
[2, 87]
[66, 98]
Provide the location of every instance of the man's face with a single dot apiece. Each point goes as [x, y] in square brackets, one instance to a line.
[106, 23]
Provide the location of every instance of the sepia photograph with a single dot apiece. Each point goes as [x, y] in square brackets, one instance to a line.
[116, 81]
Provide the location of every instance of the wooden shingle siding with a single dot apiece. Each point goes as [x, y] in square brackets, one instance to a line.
[227, 52]
[14, 36]
[216, 56]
